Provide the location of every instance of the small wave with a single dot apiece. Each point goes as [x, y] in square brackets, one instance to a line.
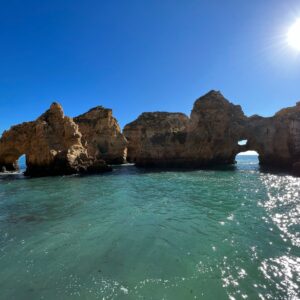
[10, 173]
[124, 165]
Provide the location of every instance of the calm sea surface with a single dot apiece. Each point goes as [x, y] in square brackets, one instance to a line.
[146, 234]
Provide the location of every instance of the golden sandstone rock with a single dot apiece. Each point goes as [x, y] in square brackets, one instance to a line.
[211, 136]
[55, 144]
[52, 145]
[102, 135]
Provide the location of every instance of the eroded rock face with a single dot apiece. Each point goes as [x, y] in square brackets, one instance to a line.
[157, 138]
[55, 144]
[52, 145]
[211, 135]
[102, 136]
[277, 139]
[215, 128]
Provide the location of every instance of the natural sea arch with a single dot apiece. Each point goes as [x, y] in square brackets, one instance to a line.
[14, 160]
[247, 161]
[247, 148]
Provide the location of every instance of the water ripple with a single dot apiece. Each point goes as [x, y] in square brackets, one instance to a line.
[151, 234]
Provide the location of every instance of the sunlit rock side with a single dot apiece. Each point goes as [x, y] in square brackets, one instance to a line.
[211, 135]
[277, 139]
[214, 130]
[52, 145]
[55, 144]
[102, 136]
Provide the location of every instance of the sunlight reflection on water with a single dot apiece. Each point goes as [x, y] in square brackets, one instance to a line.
[150, 234]
[283, 205]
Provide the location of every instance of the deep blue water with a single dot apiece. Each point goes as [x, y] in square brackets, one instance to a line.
[149, 234]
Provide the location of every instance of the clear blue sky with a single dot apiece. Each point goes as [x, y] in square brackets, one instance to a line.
[135, 56]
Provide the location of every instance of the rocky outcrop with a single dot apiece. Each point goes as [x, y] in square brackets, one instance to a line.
[157, 138]
[55, 144]
[211, 136]
[276, 139]
[52, 145]
[102, 136]
[215, 128]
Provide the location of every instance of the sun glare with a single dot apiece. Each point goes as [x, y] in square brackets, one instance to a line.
[294, 35]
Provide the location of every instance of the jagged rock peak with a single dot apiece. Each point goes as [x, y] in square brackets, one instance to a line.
[55, 105]
[95, 112]
[55, 111]
[214, 99]
[211, 135]
[52, 145]
[102, 135]
[56, 108]
[56, 144]
[212, 96]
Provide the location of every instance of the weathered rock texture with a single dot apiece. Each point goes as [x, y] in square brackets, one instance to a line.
[157, 138]
[102, 135]
[52, 145]
[276, 139]
[55, 144]
[211, 135]
[215, 128]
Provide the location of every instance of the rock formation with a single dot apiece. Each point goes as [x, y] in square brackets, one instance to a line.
[55, 144]
[52, 145]
[215, 128]
[156, 138]
[102, 135]
[276, 139]
[211, 135]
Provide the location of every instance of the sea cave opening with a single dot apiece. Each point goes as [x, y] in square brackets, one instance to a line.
[22, 163]
[13, 161]
[247, 159]
[242, 142]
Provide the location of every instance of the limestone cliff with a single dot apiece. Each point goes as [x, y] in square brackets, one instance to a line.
[211, 135]
[215, 128]
[277, 139]
[52, 145]
[55, 144]
[156, 138]
[102, 136]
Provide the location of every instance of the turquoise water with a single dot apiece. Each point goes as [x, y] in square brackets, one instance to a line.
[145, 234]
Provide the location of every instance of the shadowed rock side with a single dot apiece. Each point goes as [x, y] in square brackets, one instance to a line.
[211, 135]
[52, 145]
[102, 136]
[157, 139]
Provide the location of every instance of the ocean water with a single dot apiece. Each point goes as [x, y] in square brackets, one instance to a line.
[146, 234]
